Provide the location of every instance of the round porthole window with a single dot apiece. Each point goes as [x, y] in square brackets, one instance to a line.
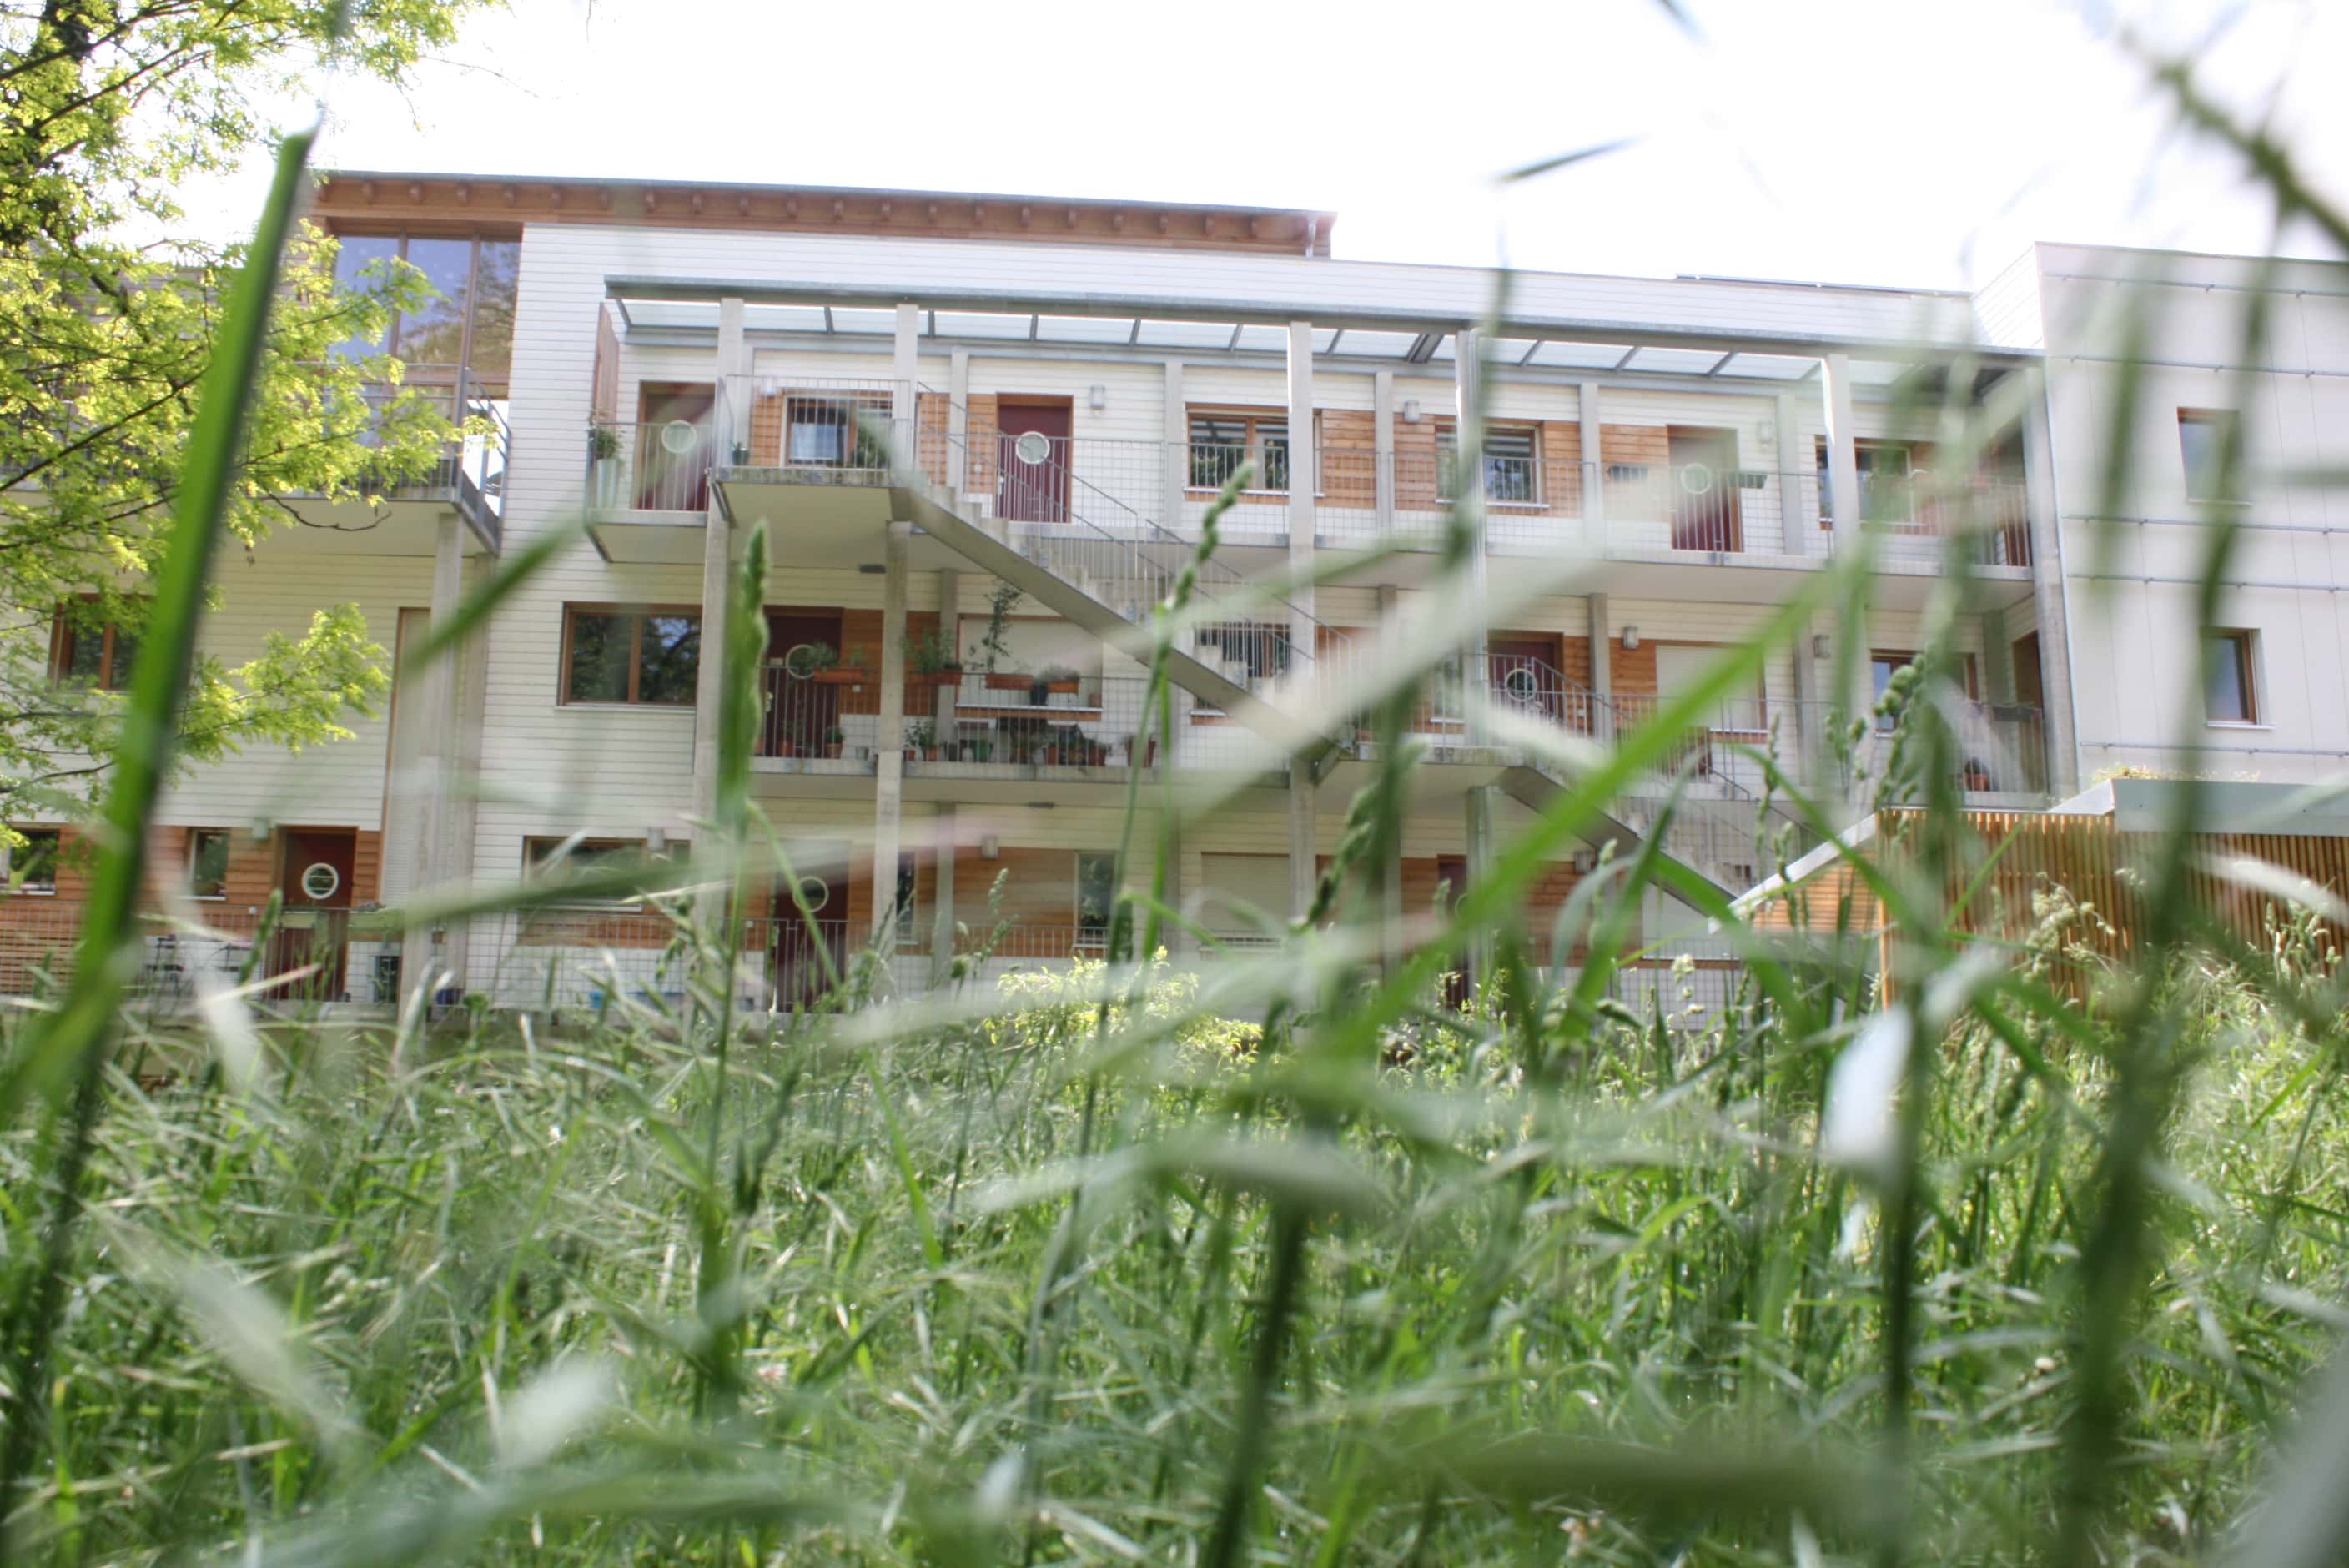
[1520, 684]
[678, 437]
[1696, 479]
[815, 890]
[320, 882]
[1033, 447]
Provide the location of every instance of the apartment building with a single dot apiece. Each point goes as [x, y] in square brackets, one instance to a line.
[981, 433]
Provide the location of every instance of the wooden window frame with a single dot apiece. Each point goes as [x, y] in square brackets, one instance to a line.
[1447, 434]
[190, 846]
[2247, 678]
[2222, 423]
[62, 635]
[1254, 417]
[9, 864]
[570, 612]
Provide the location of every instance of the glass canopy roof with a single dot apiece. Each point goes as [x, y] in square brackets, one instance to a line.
[1242, 337]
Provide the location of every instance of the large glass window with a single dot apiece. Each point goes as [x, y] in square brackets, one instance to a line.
[469, 320]
[208, 863]
[1511, 463]
[1222, 440]
[649, 656]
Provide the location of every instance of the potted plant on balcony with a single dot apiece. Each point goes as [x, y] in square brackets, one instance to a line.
[1052, 681]
[603, 462]
[921, 742]
[832, 740]
[931, 660]
[979, 748]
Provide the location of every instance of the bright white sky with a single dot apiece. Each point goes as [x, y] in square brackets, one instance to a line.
[1916, 143]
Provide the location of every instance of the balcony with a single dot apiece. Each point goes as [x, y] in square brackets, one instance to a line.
[399, 514]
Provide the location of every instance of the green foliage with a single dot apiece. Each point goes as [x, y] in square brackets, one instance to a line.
[105, 109]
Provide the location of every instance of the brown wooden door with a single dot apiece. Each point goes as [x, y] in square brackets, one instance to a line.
[315, 878]
[1035, 491]
[2030, 685]
[800, 976]
[801, 713]
[1460, 982]
[1705, 489]
[672, 468]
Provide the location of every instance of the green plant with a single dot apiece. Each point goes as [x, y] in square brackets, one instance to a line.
[603, 441]
[931, 652]
[992, 648]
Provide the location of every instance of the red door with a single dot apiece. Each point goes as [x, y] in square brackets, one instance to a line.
[1705, 489]
[801, 712]
[315, 922]
[800, 976]
[1031, 463]
[673, 453]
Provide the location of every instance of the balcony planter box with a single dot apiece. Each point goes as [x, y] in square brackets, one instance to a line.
[840, 677]
[997, 681]
[933, 679]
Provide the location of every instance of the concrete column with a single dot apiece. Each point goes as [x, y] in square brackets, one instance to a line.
[1842, 490]
[709, 681]
[1175, 441]
[1602, 669]
[1303, 468]
[1468, 488]
[1392, 950]
[1594, 469]
[1383, 442]
[733, 378]
[1302, 873]
[1479, 803]
[1843, 451]
[942, 842]
[889, 743]
[904, 362]
[2048, 599]
[958, 467]
[420, 956]
[944, 717]
[1809, 731]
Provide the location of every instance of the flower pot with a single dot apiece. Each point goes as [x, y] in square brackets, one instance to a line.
[996, 682]
[831, 750]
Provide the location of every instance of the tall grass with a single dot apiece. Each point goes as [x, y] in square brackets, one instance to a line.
[1275, 1261]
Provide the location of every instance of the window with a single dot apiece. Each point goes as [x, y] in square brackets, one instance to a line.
[1886, 494]
[32, 866]
[1221, 440]
[1511, 463]
[833, 432]
[2230, 677]
[2203, 436]
[910, 936]
[86, 650]
[1096, 896]
[579, 856]
[1259, 652]
[649, 656]
[1882, 664]
[469, 320]
[207, 862]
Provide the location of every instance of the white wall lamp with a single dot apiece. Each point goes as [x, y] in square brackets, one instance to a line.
[1097, 397]
[260, 830]
[1819, 645]
[1631, 639]
[989, 847]
[656, 841]
[1411, 410]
